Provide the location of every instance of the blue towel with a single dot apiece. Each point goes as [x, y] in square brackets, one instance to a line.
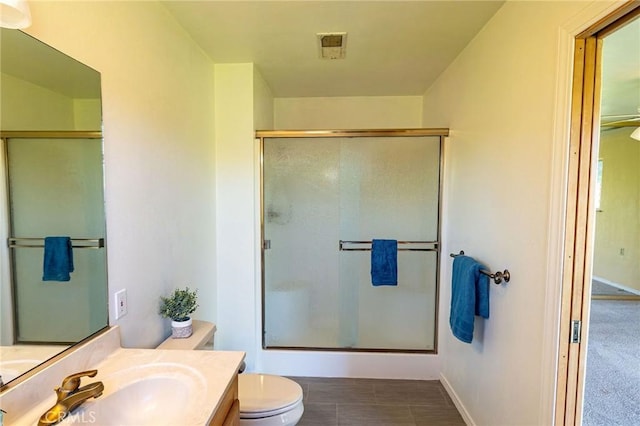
[469, 296]
[58, 259]
[384, 262]
[482, 295]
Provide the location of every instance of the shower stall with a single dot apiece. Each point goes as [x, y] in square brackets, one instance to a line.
[54, 187]
[325, 196]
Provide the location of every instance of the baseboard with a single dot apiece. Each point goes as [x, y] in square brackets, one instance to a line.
[612, 297]
[616, 285]
[373, 365]
[456, 401]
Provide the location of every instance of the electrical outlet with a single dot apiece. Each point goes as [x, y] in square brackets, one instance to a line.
[622, 252]
[121, 303]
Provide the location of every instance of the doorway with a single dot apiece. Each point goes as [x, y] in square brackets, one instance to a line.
[581, 247]
[612, 386]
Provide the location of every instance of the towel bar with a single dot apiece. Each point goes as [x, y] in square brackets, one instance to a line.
[434, 248]
[497, 277]
[90, 243]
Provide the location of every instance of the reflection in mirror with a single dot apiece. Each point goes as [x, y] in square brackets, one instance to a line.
[51, 184]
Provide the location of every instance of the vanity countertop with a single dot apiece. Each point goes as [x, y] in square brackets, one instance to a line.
[39, 352]
[17, 359]
[211, 371]
[203, 332]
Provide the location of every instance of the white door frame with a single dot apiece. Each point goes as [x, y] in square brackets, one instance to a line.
[576, 251]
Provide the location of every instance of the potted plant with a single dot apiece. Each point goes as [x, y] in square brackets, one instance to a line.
[178, 307]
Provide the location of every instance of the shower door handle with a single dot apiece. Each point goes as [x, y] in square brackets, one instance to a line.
[266, 244]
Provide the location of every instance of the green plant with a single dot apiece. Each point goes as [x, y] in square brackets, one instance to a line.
[179, 305]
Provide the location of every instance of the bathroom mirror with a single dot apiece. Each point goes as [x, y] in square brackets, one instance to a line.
[51, 184]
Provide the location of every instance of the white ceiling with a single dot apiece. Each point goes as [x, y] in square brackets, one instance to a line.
[621, 72]
[393, 48]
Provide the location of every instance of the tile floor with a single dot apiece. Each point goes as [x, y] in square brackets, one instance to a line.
[376, 402]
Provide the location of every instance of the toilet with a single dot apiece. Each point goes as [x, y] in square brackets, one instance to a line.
[265, 399]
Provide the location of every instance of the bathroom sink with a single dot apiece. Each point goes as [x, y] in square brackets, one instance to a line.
[16, 360]
[139, 386]
[154, 394]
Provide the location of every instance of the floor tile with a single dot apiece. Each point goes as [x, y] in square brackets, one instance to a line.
[373, 414]
[376, 402]
[436, 416]
[411, 393]
[341, 392]
[319, 415]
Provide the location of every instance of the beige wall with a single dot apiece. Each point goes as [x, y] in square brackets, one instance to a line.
[363, 112]
[87, 114]
[499, 100]
[26, 106]
[157, 89]
[236, 219]
[262, 102]
[617, 241]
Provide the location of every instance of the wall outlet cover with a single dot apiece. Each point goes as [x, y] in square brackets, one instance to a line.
[121, 303]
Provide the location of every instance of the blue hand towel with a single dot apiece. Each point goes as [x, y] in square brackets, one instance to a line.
[58, 259]
[469, 296]
[482, 295]
[384, 262]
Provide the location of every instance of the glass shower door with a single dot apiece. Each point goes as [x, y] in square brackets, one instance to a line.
[56, 189]
[324, 201]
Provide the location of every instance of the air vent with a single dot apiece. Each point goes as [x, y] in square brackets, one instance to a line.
[332, 45]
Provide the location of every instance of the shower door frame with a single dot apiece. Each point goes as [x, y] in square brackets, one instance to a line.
[5, 135]
[261, 135]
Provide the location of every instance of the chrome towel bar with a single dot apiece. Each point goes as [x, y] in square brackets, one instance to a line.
[497, 277]
[434, 243]
[76, 243]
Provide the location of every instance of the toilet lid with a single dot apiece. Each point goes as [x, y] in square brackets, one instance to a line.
[264, 394]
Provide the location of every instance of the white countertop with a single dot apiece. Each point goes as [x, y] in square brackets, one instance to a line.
[203, 332]
[214, 371]
[17, 359]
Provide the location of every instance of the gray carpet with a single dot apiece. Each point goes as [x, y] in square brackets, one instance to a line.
[602, 289]
[612, 386]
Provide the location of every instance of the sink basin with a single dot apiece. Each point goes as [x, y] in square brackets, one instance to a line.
[140, 386]
[154, 394]
[16, 360]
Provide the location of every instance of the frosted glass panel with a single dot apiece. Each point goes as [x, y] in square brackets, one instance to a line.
[56, 189]
[320, 191]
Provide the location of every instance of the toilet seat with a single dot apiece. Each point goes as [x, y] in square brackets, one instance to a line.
[265, 395]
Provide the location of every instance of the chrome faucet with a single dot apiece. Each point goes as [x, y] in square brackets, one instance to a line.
[71, 396]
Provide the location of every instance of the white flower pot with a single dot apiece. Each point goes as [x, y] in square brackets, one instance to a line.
[181, 329]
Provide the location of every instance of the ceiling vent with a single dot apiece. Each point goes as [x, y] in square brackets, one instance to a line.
[332, 45]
